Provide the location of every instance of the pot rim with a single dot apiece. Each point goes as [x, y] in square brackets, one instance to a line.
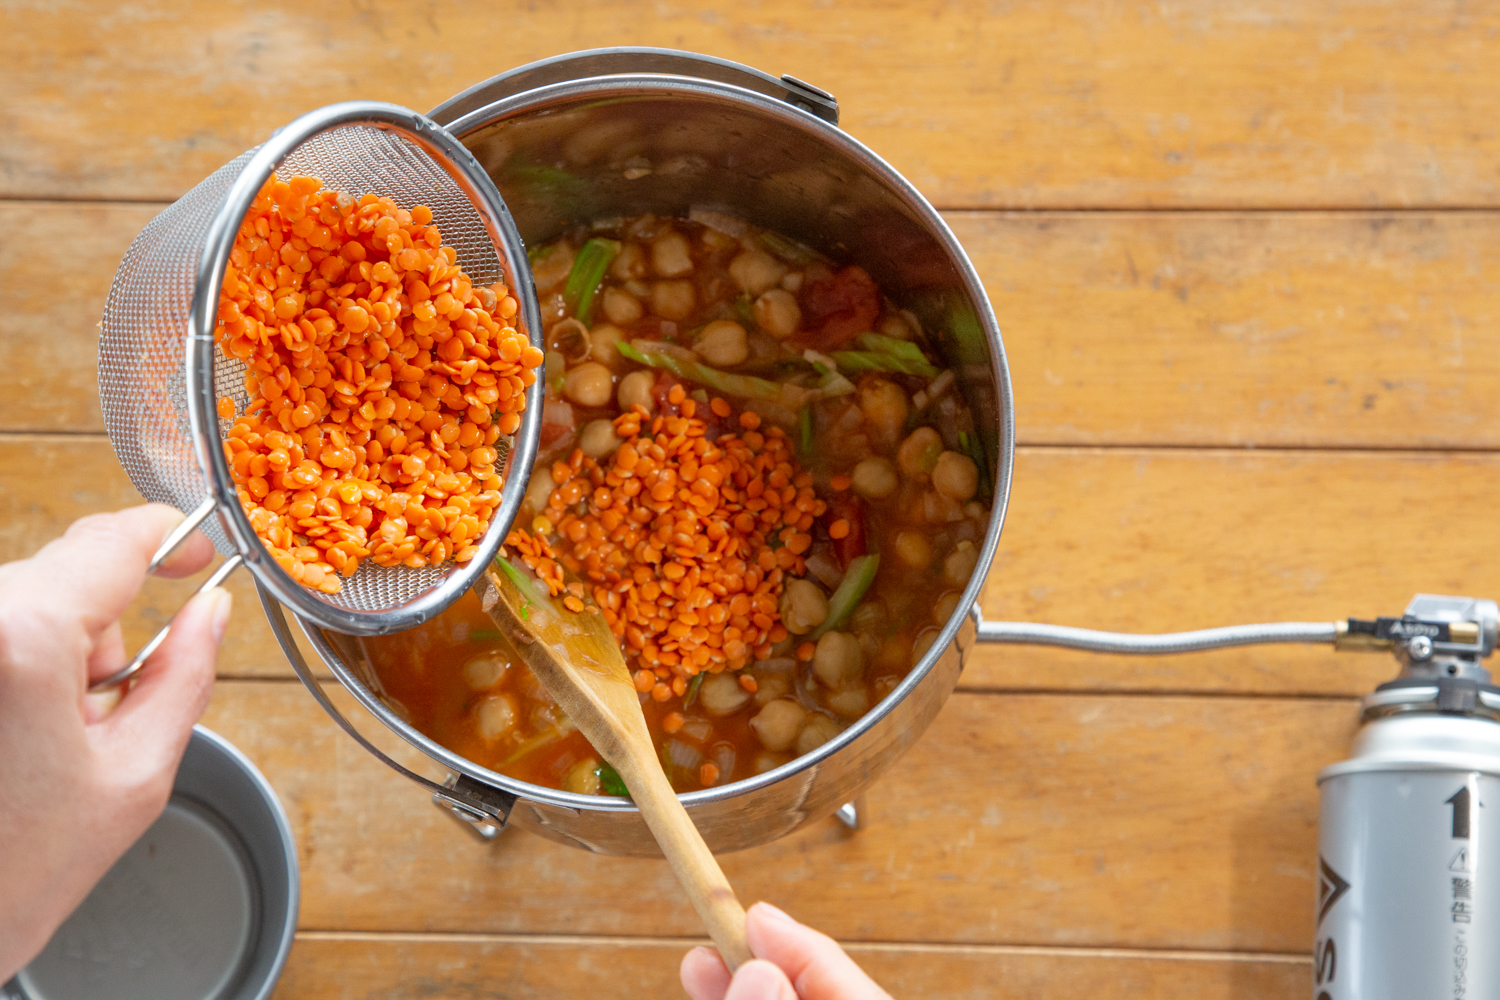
[648, 86]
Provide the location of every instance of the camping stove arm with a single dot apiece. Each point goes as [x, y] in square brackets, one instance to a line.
[1434, 627]
[1035, 634]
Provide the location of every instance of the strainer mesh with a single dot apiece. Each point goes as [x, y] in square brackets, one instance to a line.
[143, 378]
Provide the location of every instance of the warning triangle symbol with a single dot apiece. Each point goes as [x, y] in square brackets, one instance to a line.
[1331, 889]
[1460, 862]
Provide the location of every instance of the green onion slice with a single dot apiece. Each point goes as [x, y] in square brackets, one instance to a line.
[588, 271]
[857, 580]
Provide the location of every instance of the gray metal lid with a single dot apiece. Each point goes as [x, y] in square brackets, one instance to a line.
[202, 907]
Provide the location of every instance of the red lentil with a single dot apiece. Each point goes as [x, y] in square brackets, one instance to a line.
[380, 380]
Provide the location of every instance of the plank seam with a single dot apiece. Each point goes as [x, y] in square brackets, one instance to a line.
[926, 947]
[972, 209]
[17, 435]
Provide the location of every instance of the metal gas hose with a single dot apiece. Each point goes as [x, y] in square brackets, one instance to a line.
[1433, 625]
[1033, 634]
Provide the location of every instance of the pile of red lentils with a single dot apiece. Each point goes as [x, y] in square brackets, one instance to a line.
[684, 541]
[379, 379]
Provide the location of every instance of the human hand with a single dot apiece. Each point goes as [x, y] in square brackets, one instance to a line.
[79, 782]
[792, 962]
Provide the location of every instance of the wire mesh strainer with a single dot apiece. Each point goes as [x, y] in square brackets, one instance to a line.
[161, 375]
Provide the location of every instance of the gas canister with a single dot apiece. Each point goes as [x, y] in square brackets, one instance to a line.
[1409, 868]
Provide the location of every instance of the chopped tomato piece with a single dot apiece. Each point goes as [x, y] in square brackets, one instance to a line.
[840, 307]
[848, 507]
[661, 388]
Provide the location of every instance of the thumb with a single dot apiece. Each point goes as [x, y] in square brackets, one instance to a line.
[154, 720]
[760, 980]
[813, 962]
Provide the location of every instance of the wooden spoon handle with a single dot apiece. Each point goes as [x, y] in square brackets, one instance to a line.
[692, 862]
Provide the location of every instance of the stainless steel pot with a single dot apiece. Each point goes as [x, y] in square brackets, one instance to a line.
[616, 132]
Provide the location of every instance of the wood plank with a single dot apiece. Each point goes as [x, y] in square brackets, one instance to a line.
[1301, 329]
[1161, 541]
[55, 271]
[401, 967]
[1042, 105]
[1269, 329]
[1088, 821]
[49, 481]
[1119, 539]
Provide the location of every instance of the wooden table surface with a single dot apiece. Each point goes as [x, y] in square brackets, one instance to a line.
[1246, 259]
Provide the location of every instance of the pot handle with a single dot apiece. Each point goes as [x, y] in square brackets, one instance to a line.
[627, 59]
[482, 809]
[1037, 634]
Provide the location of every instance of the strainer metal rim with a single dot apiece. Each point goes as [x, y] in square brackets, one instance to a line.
[202, 406]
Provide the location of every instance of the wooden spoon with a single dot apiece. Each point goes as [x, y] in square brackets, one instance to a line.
[578, 661]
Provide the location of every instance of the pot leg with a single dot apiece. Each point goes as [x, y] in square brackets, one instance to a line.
[854, 814]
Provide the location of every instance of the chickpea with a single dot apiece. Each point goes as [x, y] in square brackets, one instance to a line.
[923, 644]
[885, 407]
[598, 438]
[602, 340]
[947, 604]
[553, 266]
[959, 565]
[755, 271]
[485, 670]
[670, 257]
[635, 390]
[629, 263]
[722, 344]
[895, 326]
[778, 724]
[554, 364]
[803, 606]
[792, 281]
[539, 489]
[777, 313]
[589, 384]
[818, 729]
[838, 660]
[919, 453]
[955, 476]
[850, 702]
[673, 299]
[496, 716]
[875, 478]
[716, 240]
[913, 549]
[722, 695]
[769, 687]
[770, 761]
[620, 306]
[581, 777]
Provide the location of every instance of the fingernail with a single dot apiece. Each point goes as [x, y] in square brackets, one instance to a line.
[772, 911]
[223, 603]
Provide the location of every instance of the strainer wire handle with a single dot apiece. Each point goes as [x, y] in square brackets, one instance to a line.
[179, 534]
[169, 545]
